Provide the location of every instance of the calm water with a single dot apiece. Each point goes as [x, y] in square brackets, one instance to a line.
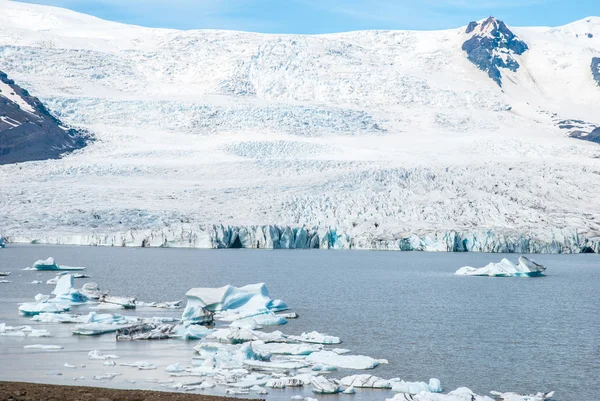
[487, 334]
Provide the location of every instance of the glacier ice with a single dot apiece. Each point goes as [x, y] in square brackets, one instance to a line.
[49, 264]
[505, 268]
[31, 309]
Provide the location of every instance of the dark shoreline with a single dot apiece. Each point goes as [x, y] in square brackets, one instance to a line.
[20, 391]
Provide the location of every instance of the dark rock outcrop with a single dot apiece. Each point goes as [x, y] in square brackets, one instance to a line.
[28, 131]
[596, 69]
[492, 47]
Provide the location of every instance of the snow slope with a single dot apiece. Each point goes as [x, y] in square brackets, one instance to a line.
[373, 139]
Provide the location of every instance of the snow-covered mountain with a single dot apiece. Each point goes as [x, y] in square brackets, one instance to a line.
[27, 131]
[464, 139]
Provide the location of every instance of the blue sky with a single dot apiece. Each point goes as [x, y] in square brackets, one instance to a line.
[323, 16]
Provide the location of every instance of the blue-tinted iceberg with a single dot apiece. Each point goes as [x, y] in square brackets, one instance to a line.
[2, 242]
[434, 386]
[525, 268]
[50, 264]
[65, 292]
[229, 303]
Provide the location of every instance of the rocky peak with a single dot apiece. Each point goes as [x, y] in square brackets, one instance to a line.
[492, 46]
[596, 69]
[28, 131]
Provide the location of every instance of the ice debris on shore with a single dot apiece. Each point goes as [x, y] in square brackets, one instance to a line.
[50, 264]
[505, 268]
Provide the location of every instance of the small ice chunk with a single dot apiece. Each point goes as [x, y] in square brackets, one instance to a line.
[4, 274]
[44, 347]
[5, 281]
[349, 390]
[316, 338]
[297, 398]
[91, 290]
[66, 365]
[36, 282]
[97, 354]
[125, 302]
[174, 368]
[106, 376]
[40, 333]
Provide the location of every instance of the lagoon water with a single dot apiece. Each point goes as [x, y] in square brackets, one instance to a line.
[505, 334]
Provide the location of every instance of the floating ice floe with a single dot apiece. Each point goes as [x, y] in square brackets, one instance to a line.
[521, 397]
[22, 331]
[50, 264]
[316, 338]
[359, 362]
[460, 394]
[525, 268]
[44, 347]
[434, 386]
[98, 355]
[4, 274]
[36, 282]
[42, 306]
[5, 281]
[321, 385]
[122, 302]
[365, 381]
[161, 305]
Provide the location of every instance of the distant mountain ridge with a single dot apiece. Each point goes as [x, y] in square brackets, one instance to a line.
[28, 131]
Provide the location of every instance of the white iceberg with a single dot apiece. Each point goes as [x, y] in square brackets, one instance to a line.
[525, 268]
[359, 362]
[434, 386]
[91, 290]
[286, 349]
[316, 338]
[44, 347]
[50, 264]
[521, 397]
[323, 386]
[460, 394]
[365, 381]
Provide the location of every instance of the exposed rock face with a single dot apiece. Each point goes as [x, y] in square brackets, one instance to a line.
[493, 46]
[28, 131]
[579, 129]
[596, 69]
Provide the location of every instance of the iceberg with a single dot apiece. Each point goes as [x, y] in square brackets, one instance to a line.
[286, 349]
[121, 302]
[316, 338]
[323, 386]
[44, 347]
[98, 355]
[50, 264]
[521, 397]
[434, 386]
[460, 394]
[64, 291]
[4, 274]
[234, 303]
[2, 242]
[359, 362]
[5, 281]
[525, 268]
[365, 381]
[91, 290]
[35, 308]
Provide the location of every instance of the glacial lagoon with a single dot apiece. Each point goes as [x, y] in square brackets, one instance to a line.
[506, 334]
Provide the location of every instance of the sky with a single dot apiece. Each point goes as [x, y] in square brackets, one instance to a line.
[326, 16]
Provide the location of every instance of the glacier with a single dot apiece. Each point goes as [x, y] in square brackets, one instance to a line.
[505, 268]
[383, 140]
